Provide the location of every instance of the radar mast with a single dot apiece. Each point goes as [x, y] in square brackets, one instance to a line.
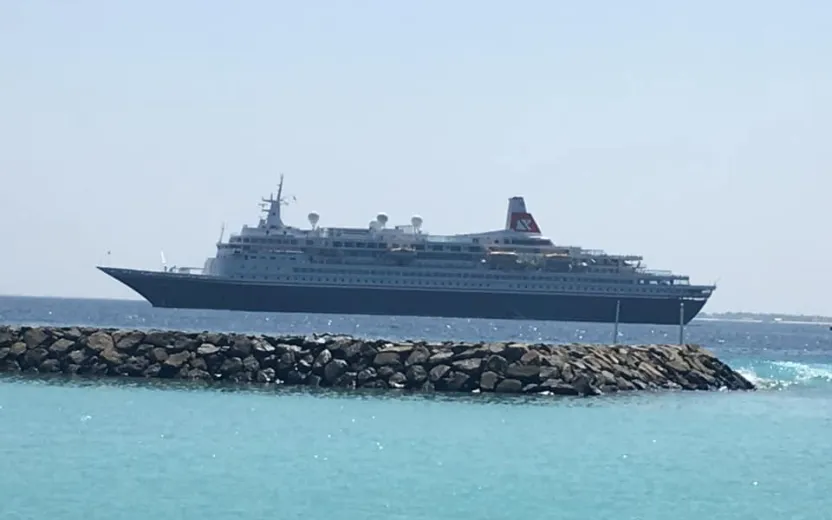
[272, 207]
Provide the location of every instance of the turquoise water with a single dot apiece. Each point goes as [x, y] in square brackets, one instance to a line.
[125, 450]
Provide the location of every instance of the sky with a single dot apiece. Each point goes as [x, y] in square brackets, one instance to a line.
[692, 133]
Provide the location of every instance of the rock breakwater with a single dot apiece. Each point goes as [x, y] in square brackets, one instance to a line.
[350, 362]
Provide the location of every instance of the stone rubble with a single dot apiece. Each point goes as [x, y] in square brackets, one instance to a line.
[349, 362]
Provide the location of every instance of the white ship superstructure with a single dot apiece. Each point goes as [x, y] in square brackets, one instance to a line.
[517, 258]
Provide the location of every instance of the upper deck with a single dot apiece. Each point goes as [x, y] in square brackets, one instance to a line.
[518, 245]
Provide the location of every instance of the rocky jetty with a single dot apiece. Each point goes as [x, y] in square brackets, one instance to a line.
[349, 362]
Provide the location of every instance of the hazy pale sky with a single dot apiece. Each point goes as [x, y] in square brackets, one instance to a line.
[693, 133]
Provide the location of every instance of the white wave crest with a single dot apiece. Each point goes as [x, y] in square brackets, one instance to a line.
[783, 374]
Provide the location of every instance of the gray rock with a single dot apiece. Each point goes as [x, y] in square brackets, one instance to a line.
[177, 359]
[50, 366]
[375, 383]
[622, 385]
[305, 363]
[99, 369]
[606, 377]
[283, 348]
[496, 363]
[34, 337]
[295, 377]
[494, 348]
[11, 365]
[457, 381]
[346, 380]
[416, 374]
[558, 387]
[197, 374]
[286, 361]
[35, 356]
[76, 357]
[17, 349]
[509, 386]
[352, 350]
[366, 375]
[112, 357]
[368, 350]
[99, 341]
[6, 337]
[198, 363]
[567, 374]
[469, 353]
[468, 366]
[267, 375]
[213, 338]
[241, 347]
[159, 338]
[441, 357]
[531, 357]
[153, 370]
[207, 349]
[144, 349]
[514, 352]
[418, 356]
[438, 372]
[397, 380]
[250, 364]
[231, 366]
[262, 347]
[182, 344]
[134, 366]
[583, 385]
[127, 342]
[649, 372]
[387, 358]
[526, 373]
[72, 333]
[489, 380]
[323, 358]
[549, 372]
[269, 361]
[158, 355]
[61, 346]
[334, 370]
[386, 371]
[241, 377]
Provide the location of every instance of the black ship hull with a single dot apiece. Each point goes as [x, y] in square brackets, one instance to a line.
[183, 291]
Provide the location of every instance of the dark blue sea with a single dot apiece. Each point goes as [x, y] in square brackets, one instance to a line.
[137, 450]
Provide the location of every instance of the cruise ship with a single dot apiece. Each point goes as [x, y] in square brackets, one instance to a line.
[513, 272]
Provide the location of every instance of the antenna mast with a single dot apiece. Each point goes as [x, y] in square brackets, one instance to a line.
[272, 207]
[280, 191]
